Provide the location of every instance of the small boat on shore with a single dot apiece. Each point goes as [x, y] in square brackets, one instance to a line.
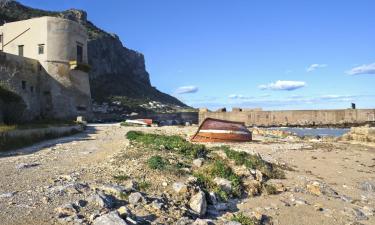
[214, 130]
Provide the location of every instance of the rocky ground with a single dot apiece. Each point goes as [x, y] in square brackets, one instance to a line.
[99, 177]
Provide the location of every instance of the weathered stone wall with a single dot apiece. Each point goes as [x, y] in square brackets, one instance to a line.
[21, 77]
[294, 117]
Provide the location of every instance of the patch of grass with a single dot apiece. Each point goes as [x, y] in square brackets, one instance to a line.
[143, 185]
[254, 162]
[270, 189]
[171, 143]
[244, 220]
[218, 168]
[121, 177]
[157, 163]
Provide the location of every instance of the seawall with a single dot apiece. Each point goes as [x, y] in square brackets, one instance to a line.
[344, 117]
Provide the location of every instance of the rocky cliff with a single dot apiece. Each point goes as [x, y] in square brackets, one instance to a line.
[118, 73]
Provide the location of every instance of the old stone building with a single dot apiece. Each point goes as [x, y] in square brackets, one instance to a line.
[44, 60]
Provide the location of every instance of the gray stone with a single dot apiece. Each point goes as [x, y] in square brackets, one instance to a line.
[124, 211]
[200, 222]
[26, 165]
[111, 218]
[368, 211]
[130, 186]
[232, 223]
[368, 186]
[66, 210]
[184, 221]
[135, 198]
[198, 203]
[180, 188]
[198, 162]
[101, 200]
[225, 184]
[359, 215]
[157, 205]
[259, 175]
[116, 190]
[7, 195]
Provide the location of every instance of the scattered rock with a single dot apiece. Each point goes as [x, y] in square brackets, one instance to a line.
[116, 190]
[124, 211]
[26, 165]
[242, 171]
[359, 214]
[157, 205]
[198, 203]
[232, 223]
[7, 195]
[184, 221]
[135, 198]
[314, 188]
[368, 186]
[101, 200]
[111, 218]
[200, 222]
[259, 176]
[198, 162]
[225, 184]
[180, 188]
[66, 210]
[368, 211]
[252, 187]
[129, 186]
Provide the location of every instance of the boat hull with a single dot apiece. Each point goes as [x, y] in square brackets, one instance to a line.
[213, 130]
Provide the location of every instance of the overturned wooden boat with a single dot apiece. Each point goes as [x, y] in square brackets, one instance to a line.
[141, 122]
[214, 130]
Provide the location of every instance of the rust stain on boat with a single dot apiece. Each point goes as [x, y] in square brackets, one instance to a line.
[214, 130]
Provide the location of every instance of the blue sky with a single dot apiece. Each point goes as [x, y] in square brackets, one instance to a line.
[288, 54]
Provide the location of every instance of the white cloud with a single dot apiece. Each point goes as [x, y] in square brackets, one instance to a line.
[364, 69]
[187, 90]
[283, 85]
[236, 96]
[315, 66]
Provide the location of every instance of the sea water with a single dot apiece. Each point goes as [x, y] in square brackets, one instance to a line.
[322, 132]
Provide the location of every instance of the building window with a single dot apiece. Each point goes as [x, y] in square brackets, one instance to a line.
[23, 85]
[79, 52]
[20, 50]
[41, 49]
[1, 38]
[32, 89]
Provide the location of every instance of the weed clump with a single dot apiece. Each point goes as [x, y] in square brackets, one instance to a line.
[270, 189]
[244, 220]
[254, 162]
[218, 168]
[121, 177]
[170, 143]
[157, 163]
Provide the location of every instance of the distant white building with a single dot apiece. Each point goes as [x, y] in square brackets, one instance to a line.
[59, 85]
